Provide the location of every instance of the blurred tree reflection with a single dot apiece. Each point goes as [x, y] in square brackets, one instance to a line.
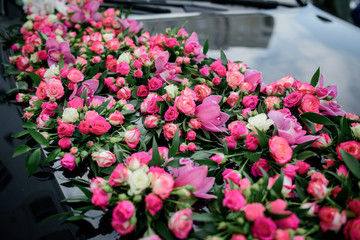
[339, 8]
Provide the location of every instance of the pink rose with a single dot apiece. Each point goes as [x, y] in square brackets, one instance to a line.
[142, 91]
[230, 142]
[352, 147]
[119, 175]
[238, 237]
[153, 203]
[162, 184]
[282, 234]
[124, 93]
[121, 217]
[54, 88]
[190, 135]
[154, 84]
[116, 118]
[195, 124]
[152, 121]
[218, 158]
[238, 129]
[192, 147]
[272, 103]
[251, 142]
[113, 44]
[171, 114]
[76, 103]
[254, 211]
[41, 90]
[132, 137]
[22, 63]
[123, 68]
[231, 175]
[84, 127]
[202, 91]
[97, 47]
[331, 219]
[291, 222]
[179, 224]
[65, 129]
[292, 99]
[317, 189]
[352, 229]
[185, 104]
[104, 158]
[170, 129]
[91, 115]
[100, 197]
[137, 160]
[303, 167]
[278, 206]
[99, 126]
[232, 99]
[250, 101]
[264, 228]
[309, 103]
[138, 73]
[255, 169]
[354, 206]
[75, 76]
[234, 200]
[64, 143]
[42, 55]
[323, 141]
[280, 149]
[68, 161]
[234, 78]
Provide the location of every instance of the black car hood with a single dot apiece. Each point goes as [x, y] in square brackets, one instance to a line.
[280, 42]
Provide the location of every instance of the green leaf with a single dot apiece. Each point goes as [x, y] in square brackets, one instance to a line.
[84, 96]
[78, 198]
[199, 155]
[278, 184]
[61, 63]
[36, 78]
[309, 124]
[76, 218]
[264, 141]
[21, 149]
[51, 157]
[299, 191]
[352, 163]
[103, 106]
[342, 196]
[302, 146]
[173, 163]
[20, 134]
[175, 145]
[206, 47]
[305, 155]
[38, 137]
[86, 191]
[29, 125]
[209, 163]
[265, 176]
[205, 217]
[33, 161]
[162, 229]
[344, 126]
[94, 70]
[156, 159]
[128, 12]
[224, 60]
[317, 118]
[315, 78]
[101, 81]
[22, 85]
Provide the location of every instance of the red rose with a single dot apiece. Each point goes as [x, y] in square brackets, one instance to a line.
[65, 130]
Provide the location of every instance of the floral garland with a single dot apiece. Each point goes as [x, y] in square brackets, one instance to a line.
[176, 144]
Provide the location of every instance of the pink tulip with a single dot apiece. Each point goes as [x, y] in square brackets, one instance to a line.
[196, 177]
[210, 116]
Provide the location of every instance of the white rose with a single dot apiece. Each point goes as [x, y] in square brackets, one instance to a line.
[124, 57]
[52, 18]
[28, 25]
[34, 58]
[260, 122]
[70, 115]
[31, 17]
[108, 36]
[356, 131]
[59, 39]
[138, 181]
[51, 72]
[171, 91]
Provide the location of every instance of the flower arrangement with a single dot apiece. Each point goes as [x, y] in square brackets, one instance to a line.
[176, 144]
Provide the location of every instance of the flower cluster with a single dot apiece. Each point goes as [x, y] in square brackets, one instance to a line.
[177, 144]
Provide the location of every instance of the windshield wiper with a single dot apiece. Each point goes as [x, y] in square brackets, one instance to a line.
[255, 3]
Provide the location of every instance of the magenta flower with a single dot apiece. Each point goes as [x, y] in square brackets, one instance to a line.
[196, 177]
[133, 25]
[289, 128]
[86, 13]
[164, 69]
[210, 115]
[57, 50]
